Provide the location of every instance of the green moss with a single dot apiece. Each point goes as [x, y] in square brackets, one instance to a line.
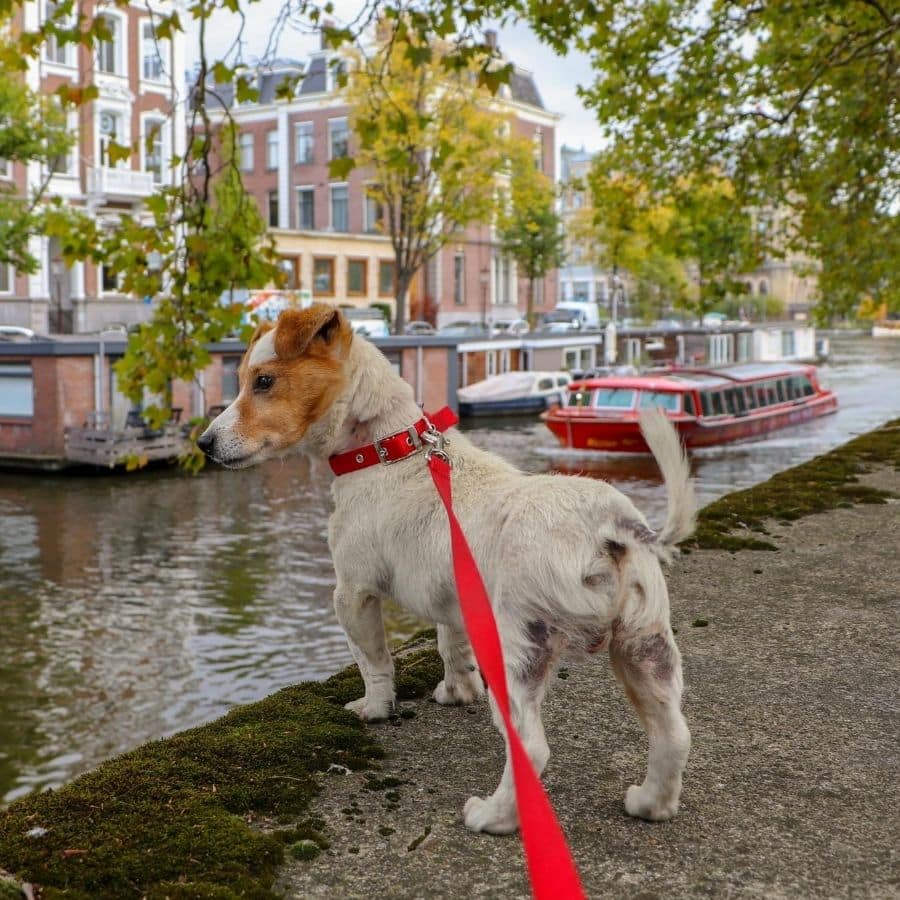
[699, 623]
[417, 841]
[827, 482]
[9, 890]
[172, 818]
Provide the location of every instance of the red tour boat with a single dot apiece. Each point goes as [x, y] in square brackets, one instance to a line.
[707, 406]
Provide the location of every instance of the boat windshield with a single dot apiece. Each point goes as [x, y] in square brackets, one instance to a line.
[615, 398]
[580, 398]
[662, 399]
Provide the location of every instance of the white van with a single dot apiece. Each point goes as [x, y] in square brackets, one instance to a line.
[585, 312]
[368, 321]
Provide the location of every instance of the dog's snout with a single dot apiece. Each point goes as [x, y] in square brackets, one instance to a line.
[206, 442]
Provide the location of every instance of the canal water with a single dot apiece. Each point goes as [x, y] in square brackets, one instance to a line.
[132, 606]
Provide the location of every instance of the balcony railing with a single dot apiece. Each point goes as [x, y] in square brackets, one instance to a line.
[121, 182]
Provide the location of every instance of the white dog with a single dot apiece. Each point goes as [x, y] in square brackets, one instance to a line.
[568, 562]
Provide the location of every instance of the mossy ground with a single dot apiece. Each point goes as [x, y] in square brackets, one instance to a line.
[823, 483]
[174, 818]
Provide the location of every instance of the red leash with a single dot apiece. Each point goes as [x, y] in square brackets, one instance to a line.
[550, 865]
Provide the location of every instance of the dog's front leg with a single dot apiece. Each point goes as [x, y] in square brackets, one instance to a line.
[462, 680]
[359, 612]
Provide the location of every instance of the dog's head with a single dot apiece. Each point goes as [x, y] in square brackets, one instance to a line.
[289, 377]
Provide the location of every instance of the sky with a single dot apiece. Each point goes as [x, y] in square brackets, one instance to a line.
[556, 77]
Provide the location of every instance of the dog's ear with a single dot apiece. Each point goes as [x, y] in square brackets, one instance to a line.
[261, 329]
[298, 329]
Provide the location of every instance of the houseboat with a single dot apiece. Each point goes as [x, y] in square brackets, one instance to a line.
[513, 393]
[707, 406]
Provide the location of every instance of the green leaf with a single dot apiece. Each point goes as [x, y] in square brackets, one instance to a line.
[341, 167]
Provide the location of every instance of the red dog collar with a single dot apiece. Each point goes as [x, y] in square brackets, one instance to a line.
[394, 447]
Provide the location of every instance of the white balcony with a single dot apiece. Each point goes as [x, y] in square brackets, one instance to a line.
[120, 183]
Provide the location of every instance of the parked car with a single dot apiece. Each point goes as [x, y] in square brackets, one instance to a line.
[465, 329]
[560, 320]
[419, 327]
[513, 328]
[367, 321]
[14, 332]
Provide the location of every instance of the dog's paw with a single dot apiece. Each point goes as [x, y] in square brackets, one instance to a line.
[459, 693]
[484, 815]
[642, 805]
[369, 710]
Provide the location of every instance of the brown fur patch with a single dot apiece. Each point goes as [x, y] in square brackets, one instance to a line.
[312, 345]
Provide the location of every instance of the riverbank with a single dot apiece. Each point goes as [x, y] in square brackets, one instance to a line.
[791, 788]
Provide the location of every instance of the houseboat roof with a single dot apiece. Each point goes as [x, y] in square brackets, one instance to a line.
[680, 380]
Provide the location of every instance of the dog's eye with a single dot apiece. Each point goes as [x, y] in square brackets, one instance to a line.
[263, 382]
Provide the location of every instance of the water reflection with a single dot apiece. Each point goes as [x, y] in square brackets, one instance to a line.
[131, 607]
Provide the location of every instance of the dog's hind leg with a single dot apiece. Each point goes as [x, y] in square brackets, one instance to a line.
[462, 681]
[527, 683]
[648, 665]
[359, 612]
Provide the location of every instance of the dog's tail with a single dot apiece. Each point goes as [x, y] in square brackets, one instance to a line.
[665, 445]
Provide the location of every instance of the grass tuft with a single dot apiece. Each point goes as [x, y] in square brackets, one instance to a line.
[830, 481]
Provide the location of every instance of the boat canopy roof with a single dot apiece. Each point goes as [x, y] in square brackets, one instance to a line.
[690, 379]
[509, 384]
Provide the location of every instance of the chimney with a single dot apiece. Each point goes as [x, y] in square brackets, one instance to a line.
[490, 38]
[323, 40]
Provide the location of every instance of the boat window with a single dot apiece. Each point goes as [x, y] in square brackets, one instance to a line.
[615, 398]
[781, 391]
[771, 394]
[706, 400]
[750, 397]
[562, 381]
[545, 384]
[662, 399]
[761, 396]
[730, 402]
[718, 404]
[689, 405]
[808, 389]
[580, 398]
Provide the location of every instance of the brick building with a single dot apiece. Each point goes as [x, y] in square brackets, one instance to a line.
[135, 74]
[327, 230]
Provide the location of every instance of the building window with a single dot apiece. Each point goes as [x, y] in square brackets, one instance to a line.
[539, 149]
[303, 143]
[4, 168]
[230, 381]
[459, 279]
[152, 68]
[108, 52]
[273, 209]
[6, 279]
[272, 150]
[154, 148]
[289, 266]
[16, 390]
[55, 51]
[109, 281]
[338, 138]
[246, 151]
[502, 280]
[356, 277]
[323, 276]
[339, 218]
[306, 209]
[386, 270]
[111, 132]
[374, 213]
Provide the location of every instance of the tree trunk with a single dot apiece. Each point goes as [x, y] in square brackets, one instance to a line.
[529, 315]
[401, 286]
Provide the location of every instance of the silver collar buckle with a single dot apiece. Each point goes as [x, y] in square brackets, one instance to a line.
[412, 440]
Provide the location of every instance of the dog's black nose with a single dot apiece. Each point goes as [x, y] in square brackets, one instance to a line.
[206, 442]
